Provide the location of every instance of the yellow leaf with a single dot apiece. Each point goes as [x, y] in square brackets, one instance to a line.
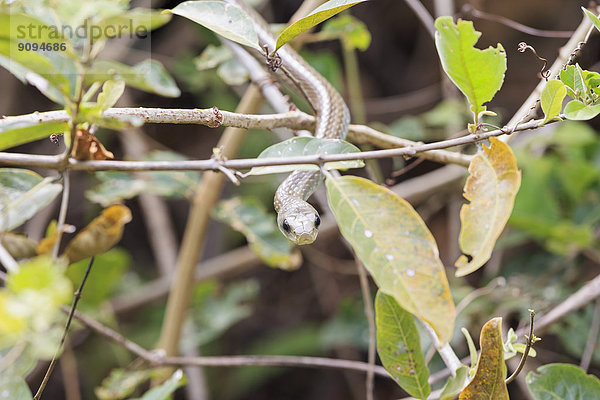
[488, 382]
[394, 244]
[46, 245]
[19, 246]
[100, 235]
[491, 190]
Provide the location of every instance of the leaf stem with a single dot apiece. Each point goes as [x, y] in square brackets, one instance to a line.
[530, 340]
[54, 360]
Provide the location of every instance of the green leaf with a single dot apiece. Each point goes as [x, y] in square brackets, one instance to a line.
[552, 97]
[212, 56]
[17, 133]
[22, 194]
[37, 70]
[224, 19]
[396, 247]
[116, 186]
[488, 382]
[303, 146]
[121, 383]
[471, 346]
[218, 309]
[563, 381]
[105, 278]
[111, 92]
[352, 31]
[141, 20]
[455, 384]
[149, 76]
[164, 391]
[578, 111]
[14, 387]
[479, 74]
[248, 216]
[491, 189]
[399, 347]
[93, 113]
[44, 276]
[592, 17]
[318, 15]
[572, 77]
[233, 72]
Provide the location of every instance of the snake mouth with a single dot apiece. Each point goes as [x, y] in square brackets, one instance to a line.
[306, 238]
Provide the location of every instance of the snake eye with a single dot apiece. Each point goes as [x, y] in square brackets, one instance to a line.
[285, 225]
[317, 221]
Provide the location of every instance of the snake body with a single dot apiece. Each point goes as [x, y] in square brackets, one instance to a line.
[296, 218]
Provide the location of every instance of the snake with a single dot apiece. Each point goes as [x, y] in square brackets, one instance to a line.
[296, 218]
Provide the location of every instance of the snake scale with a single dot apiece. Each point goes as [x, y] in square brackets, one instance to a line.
[296, 218]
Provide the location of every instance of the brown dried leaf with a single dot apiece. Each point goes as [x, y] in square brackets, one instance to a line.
[87, 147]
[100, 235]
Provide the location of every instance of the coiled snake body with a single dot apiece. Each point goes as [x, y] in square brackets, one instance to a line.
[297, 219]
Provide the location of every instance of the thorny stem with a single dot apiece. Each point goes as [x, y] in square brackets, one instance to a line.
[54, 360]
[530, 340]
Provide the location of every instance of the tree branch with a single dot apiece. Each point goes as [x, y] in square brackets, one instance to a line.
[55, 162]
[157, 358]
[192, 244]
[213, 118]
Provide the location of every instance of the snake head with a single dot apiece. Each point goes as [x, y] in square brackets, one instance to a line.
[300, 224]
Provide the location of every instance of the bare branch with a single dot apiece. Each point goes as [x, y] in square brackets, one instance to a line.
[469, 10]
[592, 340]
[212, 117]
[70, 313]
[55, 162]
[157, 358]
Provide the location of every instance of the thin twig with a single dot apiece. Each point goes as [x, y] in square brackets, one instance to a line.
[565, 57]
[469, 10]
[52, 162]
[76, 298]
[586, 294]
[62, 213]
[192, 244]
[530, 341]
[368, 306]
[424, 15]
[157, 357]
[489, 288]
[68, 368]
[592, 340]
[297, 120]
[7, 260]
